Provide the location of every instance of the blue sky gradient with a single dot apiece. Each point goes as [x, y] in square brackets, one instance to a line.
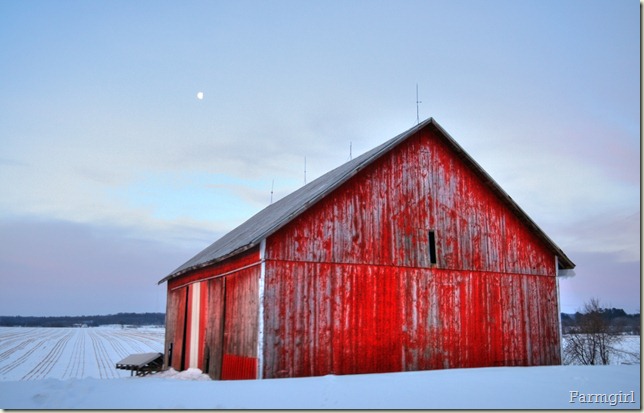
[114, 173]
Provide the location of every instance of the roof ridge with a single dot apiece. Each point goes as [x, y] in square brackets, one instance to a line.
[273, 217]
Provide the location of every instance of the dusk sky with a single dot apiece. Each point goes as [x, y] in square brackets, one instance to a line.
[113, 173]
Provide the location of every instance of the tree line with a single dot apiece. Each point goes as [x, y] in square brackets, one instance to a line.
[596, 335]
[615, 318]
[124, 319]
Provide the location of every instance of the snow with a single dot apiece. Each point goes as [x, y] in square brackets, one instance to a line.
[481, 388]
[627, 351]
[66, 353]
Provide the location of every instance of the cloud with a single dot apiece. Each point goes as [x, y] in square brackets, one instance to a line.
[614, 233]
[539, 172]
[602, 275]
[214, 177]
[52, 267]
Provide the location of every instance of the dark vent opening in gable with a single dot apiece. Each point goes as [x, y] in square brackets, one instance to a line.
[432, 247]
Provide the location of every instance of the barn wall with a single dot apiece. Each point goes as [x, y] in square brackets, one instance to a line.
[212, 318]
[324, 318]
[350, 287]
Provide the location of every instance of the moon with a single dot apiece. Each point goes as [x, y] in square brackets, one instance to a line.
[200, 95]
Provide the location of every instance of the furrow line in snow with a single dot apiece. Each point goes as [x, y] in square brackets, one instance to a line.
[66, 353]
[13, 334]
[76, 357]
[134, 344]
[153, 339]
[70, 361]
[80, 365]
[102, 358]
[148, 337]
[96, 355]
[47, 363]
[21, 344]
[21, 338]
[116, 343]
[8, 332]
[37, 345]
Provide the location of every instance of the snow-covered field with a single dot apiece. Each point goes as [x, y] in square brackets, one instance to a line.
[72, 353]
[627, 351]
[67, 368]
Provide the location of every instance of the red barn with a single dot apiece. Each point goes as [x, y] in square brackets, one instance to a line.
[409, 257]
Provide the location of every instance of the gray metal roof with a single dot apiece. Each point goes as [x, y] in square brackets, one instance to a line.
[273, 217]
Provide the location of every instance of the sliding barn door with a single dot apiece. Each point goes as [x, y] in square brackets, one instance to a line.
[213, 326]
[213, 351]
[239, 358]
[175, 328]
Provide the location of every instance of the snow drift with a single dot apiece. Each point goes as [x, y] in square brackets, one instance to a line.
[483, 388]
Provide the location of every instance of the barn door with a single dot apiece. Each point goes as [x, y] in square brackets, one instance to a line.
[175, 328]
[185, 325]
[215, 328]
[239, 358]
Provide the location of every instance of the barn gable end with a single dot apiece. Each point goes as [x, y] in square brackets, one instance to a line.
[409, 257]
[384, 215]
[350, 286]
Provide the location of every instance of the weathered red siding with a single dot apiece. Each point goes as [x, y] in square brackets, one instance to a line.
[212, 318]
[350, 287]
[383, 216]
[241, 325]
[231, 265]
[175, 328]
[214, 334]
[345, 319]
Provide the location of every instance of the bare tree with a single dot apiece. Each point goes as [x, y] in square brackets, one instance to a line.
[592, 340]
